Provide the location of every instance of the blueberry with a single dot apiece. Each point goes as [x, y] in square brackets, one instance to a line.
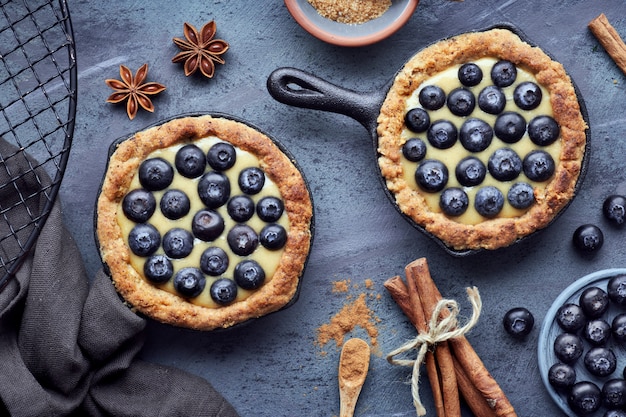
[616, 289]
[139, 205]
[223, 291]
[510, 127]
[475, 135]
[614, 209]
[155, 174]
[175, 204]
[242, 239]
[538, 165]
[249, 275]
[614, 413]
[273, 236]
[588, 238]
[269, 209]
[442, 134]
[562, 376]
[521, 195]
[518, 322]
[470, 171]
[527, 95]
[504, 164]
[568, 347]
[618, 327]
[614, 393]
[417, 120]
[158, 269]
[489, 201]
[190, 161]
[214, 189]
[144, 239]
[461, 102]
[214, 261]
[584, 398]
[600, 361]
[432, 97]
[189, 282]
[221, 156]
[240, 208]
[207, 225]
[594, 301]
[177, 243]
[414, 149]
[491, 100]
[251, 180]
[470, 74]
[453, 201]
[597, 332]
[543, 130]
[570, 317]
[503, 73]
[431, 175]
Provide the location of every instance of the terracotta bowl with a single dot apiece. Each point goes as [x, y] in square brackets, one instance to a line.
[344, 34]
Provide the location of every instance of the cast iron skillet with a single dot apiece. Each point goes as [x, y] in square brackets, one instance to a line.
[302, 89]
[118, 141]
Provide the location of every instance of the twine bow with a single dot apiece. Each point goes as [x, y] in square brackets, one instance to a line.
[439, 329]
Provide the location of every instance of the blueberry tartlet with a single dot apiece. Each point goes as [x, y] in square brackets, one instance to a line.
[481, 139]
[204, 222]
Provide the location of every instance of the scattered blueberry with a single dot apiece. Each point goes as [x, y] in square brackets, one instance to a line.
[453, 201]
[207, 225]
[588, 238]
[251, 180]
[189, 282]
[470, 74]
[568, 347]
[240, 208]
[221, 156]
[597, 332]
[431, 175]
[214, 189]
[584, 398]
[491, 100]
[470, 171]
[510, 127]
[175, 204]
[177, 243]
[594, 301]
[190, 161]
[614, 393]
[614, 413]
[614, 209]
[214, 261]
[504, 164]
[269, 209]
[417, 120]
[538, 165]
[249, 275]
[543, 130]
[518, 322]
[461, 102]
[616, 289]
[155, 174]
[273, 236]
[442, 134]
[600, 361]
[139, 205]
[432, 97]
[562, 376]
[475, 135]
[570, 317]
[521, 195]
[223, 291]
[503, 73]
[242, 239]
[618, 327]
[158, 269]
[144, 239]
[527, 95]
[414, 149]
[489, 201]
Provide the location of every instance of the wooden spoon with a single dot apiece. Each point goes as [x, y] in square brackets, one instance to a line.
[353, 365]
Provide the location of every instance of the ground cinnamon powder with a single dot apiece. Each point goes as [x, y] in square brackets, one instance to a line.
[351, 11]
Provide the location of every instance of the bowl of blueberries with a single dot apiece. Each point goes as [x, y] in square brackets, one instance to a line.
[582, 346]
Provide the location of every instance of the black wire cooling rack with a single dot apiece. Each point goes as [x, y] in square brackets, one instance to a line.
[37, 113]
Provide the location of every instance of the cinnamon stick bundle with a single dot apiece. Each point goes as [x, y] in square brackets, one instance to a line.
[458, 367]
[610, 40]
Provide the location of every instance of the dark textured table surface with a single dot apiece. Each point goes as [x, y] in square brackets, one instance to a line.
[273, 367]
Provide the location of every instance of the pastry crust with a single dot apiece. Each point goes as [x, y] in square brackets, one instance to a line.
[173, 309]
[497, 232]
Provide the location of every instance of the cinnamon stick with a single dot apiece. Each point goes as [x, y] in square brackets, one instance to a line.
[610, 40]
[462, 350]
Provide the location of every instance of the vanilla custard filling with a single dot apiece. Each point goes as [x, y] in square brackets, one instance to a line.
[448, 80]
[267, 259]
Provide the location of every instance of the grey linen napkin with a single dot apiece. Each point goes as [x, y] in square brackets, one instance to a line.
[68, 348]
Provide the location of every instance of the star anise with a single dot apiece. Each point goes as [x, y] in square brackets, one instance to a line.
[200, 50]
[132, 89]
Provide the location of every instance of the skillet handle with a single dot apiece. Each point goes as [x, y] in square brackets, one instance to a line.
[301, 89]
